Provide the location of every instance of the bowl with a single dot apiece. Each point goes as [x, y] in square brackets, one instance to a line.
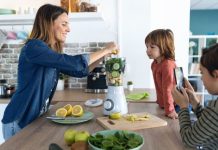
[128, 138]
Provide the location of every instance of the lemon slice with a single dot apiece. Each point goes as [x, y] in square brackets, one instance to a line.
[114, 51]
[61, 112]
[77, 111]
[69, 109]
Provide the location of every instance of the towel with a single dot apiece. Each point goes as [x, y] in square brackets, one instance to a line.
[137, 96]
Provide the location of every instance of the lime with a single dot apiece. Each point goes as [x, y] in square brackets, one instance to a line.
[77, 111]
[69, 136]
[115, 74]
[116, 66]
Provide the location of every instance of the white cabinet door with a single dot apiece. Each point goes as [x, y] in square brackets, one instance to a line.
[2, 109]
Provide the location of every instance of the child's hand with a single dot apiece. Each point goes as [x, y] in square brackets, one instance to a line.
[173, 115]
[180, 99]
[191, 94]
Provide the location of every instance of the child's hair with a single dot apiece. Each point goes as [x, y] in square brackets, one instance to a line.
[164, 39]
[209, 58]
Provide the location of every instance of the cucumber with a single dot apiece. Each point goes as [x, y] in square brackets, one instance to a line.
[116, 66]
[115, 74]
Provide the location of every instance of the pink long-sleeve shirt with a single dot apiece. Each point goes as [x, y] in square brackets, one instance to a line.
[164, 81]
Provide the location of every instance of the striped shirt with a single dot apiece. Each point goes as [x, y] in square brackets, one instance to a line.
[203, 134]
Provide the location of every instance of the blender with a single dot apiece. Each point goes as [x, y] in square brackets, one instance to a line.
[115, 100]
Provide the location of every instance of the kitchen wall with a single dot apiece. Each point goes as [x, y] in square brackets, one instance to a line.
[9, 55]
[128, 22]
[204, 22]
[137, 19]
[81, 31]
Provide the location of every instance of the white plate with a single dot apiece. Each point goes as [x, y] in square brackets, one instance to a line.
[94, 102]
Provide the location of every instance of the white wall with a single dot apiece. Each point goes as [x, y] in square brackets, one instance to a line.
[93, 31]
[81, 31]
[175, 15]
[134, 23]
[137, 20]
[26, 3]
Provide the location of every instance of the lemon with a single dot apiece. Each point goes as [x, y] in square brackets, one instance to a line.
[115, 51]
[115, 115]
[61, 112]
[69, 109]
[77, 111]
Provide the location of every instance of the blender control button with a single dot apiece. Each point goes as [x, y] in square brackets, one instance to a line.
[108, 104]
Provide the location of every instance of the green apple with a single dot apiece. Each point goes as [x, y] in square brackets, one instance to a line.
[82, 136]
[69, 136]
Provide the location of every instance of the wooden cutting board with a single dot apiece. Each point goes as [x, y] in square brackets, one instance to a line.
[123, 124]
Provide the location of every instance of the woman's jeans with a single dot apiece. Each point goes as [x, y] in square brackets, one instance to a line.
[10, 129]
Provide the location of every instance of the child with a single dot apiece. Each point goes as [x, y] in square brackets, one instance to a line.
[203, 134]
[160, 47]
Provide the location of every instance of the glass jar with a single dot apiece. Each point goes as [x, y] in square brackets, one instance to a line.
[115, 70]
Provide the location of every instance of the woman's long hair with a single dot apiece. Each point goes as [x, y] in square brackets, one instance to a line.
[43, 25]
[164, 39]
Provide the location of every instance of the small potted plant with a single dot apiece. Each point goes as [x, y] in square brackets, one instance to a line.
[130, 85]
[60, 85]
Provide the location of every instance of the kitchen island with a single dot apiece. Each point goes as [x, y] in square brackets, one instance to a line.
[42, 132]
[80, 95]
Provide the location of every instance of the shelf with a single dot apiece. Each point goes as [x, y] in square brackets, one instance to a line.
[195, 75]
[202, 36]
[28, 19]
[195, 56]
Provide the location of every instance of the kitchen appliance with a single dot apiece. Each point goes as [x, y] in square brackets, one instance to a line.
[96, 81]
[6, 90]
[2, 88]
[115, 100]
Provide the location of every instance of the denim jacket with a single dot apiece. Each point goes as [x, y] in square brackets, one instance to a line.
[38, 72]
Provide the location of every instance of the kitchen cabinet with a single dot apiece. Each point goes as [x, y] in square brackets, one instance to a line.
[196, 43]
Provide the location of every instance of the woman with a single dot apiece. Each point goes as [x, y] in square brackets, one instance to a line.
[40, 63]
[160, 48]
[203, 134]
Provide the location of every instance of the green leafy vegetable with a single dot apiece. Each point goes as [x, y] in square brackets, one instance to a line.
[115, 68]
[120, 140]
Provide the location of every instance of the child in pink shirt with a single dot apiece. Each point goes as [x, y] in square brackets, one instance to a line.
[160, 48]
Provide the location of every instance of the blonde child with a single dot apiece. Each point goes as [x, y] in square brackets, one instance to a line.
[160, 48]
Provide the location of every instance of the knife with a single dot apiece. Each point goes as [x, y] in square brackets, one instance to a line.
[62, 118]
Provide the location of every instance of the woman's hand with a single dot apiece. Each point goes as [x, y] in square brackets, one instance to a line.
[180, 99]
[191, 94]
[173, 115]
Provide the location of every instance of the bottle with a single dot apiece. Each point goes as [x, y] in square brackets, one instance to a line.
[74, 5]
